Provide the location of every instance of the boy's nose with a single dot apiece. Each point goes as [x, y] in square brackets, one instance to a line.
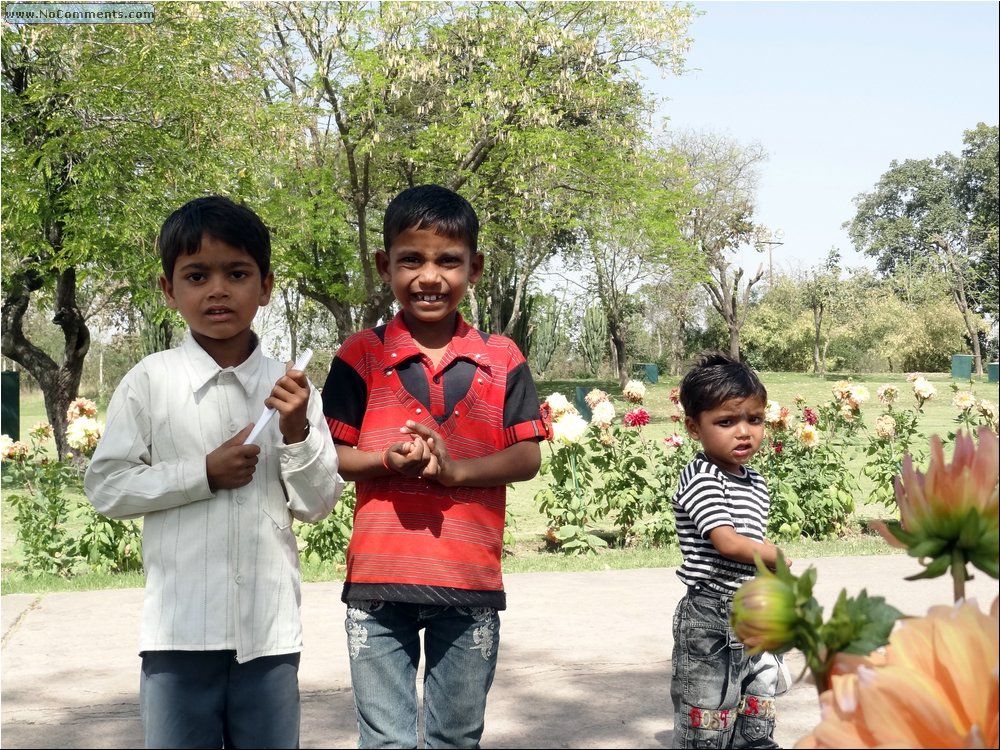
[429, 274]
[218, 288]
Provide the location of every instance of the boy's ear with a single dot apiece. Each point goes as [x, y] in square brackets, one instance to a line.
[476, 270]
[692, 427]
[382, 265]
[168, 291]
[266, 287]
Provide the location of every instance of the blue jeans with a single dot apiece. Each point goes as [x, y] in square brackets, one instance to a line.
[206, 699]
[722, 697]
[460, 645]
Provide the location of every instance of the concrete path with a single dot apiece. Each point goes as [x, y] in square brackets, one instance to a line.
[584, 659]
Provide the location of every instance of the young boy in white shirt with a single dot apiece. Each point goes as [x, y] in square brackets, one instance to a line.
[221, 626]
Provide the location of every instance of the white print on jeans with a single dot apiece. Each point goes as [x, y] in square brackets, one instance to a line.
[485, 635]
[357, 634]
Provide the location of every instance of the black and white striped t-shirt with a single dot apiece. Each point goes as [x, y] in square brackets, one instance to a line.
[708, 497]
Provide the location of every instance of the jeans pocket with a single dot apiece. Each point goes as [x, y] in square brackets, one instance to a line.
[705, 737]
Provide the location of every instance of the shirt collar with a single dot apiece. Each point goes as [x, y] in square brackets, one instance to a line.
[467, 343]
[203, 370]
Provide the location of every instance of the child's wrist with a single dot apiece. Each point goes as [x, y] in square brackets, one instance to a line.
[385, 462]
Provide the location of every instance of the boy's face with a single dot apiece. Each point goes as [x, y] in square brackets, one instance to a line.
[217, 290]
[731, 433]
[429, 274]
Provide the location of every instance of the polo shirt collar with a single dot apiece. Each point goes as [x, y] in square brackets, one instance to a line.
[467, 343]
[203, 370]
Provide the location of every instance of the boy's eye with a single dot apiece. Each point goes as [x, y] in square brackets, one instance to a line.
[239, 274]
[195, 277]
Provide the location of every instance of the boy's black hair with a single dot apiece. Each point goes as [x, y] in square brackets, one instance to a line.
[714, 378]
[433, 207]
[219, 217]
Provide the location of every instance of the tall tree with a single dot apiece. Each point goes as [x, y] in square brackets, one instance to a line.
[820, 292]
[506, 102]
[105, 128]
[925, 209]
[723, 175]
[979, 196]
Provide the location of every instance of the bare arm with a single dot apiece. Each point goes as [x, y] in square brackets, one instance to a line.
[733, 545]
[516, 463]
[407, 457]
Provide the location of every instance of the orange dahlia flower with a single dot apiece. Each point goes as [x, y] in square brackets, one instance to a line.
[949, 514]
[934, 686]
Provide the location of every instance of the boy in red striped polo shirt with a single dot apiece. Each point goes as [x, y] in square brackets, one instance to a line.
[432, 419]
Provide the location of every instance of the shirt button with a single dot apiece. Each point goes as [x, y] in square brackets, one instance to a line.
[239, 579]
[393, 355]
[388, 373]
[456, 412]
[232, 427]
[241, 499]
[480, 381]
[437, 378]
[419, 411]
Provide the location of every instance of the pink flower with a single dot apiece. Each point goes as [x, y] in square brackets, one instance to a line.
[673, 441]
[81, 407]
[675, 396]
[636, 418]
[810, 416]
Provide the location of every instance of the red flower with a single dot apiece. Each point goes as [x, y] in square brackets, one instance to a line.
[778, 446]
[636, 418]
[546, 414]
[810, 415]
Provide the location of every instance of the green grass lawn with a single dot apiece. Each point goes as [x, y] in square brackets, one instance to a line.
[530, 552]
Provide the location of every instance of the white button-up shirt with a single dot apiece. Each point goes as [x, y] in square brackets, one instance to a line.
[222, 568]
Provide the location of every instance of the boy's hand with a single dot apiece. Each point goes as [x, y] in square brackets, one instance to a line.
[232, 464]
[441, 467]
[408, 457]
[290, 398]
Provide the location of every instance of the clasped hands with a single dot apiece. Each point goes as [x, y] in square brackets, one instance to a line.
[425, 455]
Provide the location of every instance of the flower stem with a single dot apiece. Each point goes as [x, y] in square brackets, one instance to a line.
[958, 574]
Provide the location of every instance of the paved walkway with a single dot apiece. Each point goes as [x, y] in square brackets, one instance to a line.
[584, 659]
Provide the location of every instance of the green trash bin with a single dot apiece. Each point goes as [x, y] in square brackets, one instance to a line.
[647, 371]
[993, 372]
[581, 402]
[10, 400]
[961, 366]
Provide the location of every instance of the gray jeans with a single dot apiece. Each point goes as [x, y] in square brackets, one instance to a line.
[722, 697]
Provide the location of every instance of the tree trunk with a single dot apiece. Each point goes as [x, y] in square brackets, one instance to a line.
[817, 324]
[726, 300]
[958, 292]
[59, 383]
[734, 341]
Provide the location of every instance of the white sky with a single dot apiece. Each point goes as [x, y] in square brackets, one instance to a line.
[834, 91]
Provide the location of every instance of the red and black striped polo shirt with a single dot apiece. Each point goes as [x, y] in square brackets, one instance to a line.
[416, 541]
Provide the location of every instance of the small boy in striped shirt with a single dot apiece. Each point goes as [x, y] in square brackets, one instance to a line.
[722, 697]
